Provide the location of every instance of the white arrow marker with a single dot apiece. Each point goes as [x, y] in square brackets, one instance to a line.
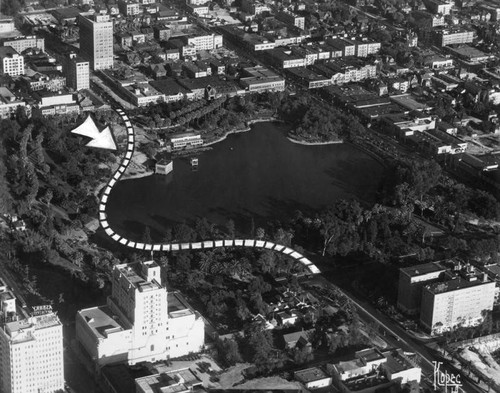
[100, 139]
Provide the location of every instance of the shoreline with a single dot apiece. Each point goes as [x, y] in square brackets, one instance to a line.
[137, 175]
[306, 143]
[246, 129]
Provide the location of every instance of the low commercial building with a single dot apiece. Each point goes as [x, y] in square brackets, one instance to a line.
[404, 126]
[186, 140]
[177, 381]
[469, 54]
[364, 362]
[172, 90]
[142, 94]
[50, 103]
[372, 369]
[313, 378]
[347, 47]
[9, 104]
[291, 19]
[21, 43]
[446, 37]
[308, 78]
[436, 62]
[259, 79]
[285, 58]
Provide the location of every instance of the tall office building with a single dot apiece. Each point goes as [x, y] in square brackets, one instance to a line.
[31, 349]
[141, 321]
[77, 72]
[96, 41]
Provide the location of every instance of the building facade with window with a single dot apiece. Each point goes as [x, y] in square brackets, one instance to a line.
[141, 321]
[31, 351]
[96, 41]
[12, 63]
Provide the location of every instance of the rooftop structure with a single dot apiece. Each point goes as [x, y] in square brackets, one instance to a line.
[31, 349]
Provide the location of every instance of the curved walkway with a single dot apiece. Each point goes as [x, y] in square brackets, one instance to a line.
[103, 220]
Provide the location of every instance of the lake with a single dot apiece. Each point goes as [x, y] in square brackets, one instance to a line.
[259, 174]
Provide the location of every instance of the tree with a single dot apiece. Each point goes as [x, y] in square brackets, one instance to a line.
[146, 236]
[230, 228]
[183, 262]
[77, 258]
[228, 351]
[6, 201]
[204, 229]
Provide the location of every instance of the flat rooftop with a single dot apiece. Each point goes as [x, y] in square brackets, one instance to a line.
[396, 362]
[310, 374]
[454, 285]
[36, 323]
[408, 101]
[168, 382]
[420, 270]
[369, 354]
[102, 321]
[177, 305]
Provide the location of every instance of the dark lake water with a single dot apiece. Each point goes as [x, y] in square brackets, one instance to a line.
[259, 174]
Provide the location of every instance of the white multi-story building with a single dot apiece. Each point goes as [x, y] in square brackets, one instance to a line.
[196, 2]
[129, 8]
[454, 36]
[96, 41]
[12, 62]
[9, 104]
[457, 302]
[21, 43]
[205, 42]
[31, 352]
[141, 322]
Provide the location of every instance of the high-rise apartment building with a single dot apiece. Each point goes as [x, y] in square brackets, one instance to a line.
[31, 349]
[411, 281]
[141, 321]
[96, 41]
[447, 294]
[77, 72]
[457, 302]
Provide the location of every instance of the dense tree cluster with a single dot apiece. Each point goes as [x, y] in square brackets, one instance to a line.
[45, 163]
[313, 121]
